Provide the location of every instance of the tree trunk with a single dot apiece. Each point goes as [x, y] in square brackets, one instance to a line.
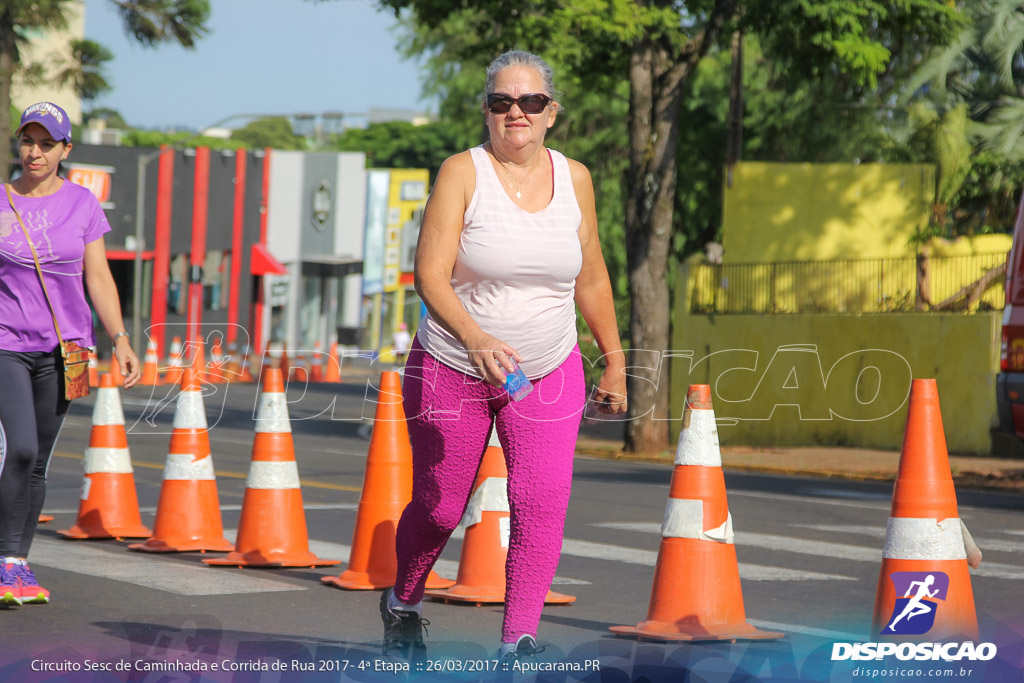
[6, 78]
[655, 99]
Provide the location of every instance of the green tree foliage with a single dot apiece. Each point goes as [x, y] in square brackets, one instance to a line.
[399, 144]
[153, 138]
[151, 22]
[270, 131]
[111, 116]
[656, 49]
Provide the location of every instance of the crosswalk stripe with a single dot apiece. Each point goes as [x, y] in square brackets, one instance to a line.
[141, 570]
[839, 551]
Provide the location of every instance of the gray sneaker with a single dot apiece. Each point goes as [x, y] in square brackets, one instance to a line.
[523, 648]
[403, 632]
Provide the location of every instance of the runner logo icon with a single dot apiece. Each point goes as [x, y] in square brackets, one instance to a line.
[914, 612]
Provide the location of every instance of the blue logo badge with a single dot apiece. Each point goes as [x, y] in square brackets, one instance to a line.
[914, 613]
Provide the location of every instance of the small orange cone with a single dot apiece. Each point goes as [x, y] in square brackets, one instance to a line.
[115, 370]
[197, 361]
[278, 539]
[188, 512]
[316, 366]
[231, 368]
[94, 369]
[284, 364]
[298, 370]
[333, 373]
[173, 373]
[109, 507]
[481, 578]
[924, 589]
[215, 372]
[696, 593]
[44, 519]
[246, 363]
[387, 489]
[151, 365]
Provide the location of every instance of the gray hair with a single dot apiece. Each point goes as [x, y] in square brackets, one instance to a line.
[524, 59]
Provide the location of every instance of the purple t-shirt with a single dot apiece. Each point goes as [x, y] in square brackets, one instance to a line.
[60, 224]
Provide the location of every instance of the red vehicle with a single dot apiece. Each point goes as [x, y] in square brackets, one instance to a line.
[1010, 380]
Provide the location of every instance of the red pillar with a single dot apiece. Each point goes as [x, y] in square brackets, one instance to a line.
[237, 226]
[200, 204]
[256, 325]
[162, 248]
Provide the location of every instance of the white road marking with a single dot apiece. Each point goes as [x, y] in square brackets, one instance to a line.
[840, 551]
[994, 544]
[141, 570]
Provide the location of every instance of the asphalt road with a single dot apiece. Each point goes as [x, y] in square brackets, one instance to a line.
[809, 554]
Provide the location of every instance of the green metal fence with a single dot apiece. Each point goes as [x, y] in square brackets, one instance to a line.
[926, 283]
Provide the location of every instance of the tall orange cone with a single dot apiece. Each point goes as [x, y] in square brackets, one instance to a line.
[333, 373]
[387, 489]
[188, 512]
[696, 593]
[285, 365]
[231, 369]
[246, 363]
[924, 589]
[109, 506]
[298, 369]
[272, 529]
[151, 365]
[481, 578]
[316, 365]
[94, 368]
[172, 375]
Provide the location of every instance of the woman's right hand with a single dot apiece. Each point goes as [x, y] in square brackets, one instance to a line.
[492, 358]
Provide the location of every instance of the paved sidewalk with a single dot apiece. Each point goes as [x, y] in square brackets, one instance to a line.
[1004, 474]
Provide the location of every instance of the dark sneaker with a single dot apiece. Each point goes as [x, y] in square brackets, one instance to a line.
[523, 648]
[31, 591]
[403, 631]
[10, 588]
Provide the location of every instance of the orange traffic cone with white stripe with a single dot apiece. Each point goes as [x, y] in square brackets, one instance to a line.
[387, 489]
[924, 589]
[279, 539]
[246, 363]
[94, 368]
[316, 364]
[696, 593]
[333, 372]
[215, 372]
[299, 371]
[481, 578]
[231, 368]
[151, 366]
[188, 511]
[172, 375]
[109, 506]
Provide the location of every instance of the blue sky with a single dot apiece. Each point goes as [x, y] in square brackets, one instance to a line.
[260, 57]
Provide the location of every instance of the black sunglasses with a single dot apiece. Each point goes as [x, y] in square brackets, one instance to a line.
[533, 103]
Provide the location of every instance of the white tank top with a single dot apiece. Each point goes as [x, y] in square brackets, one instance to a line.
[515, 272]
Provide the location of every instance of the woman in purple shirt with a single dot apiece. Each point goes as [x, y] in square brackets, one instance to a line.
[66, 226]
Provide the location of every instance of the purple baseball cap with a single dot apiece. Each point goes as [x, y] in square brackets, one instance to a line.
[49, 116]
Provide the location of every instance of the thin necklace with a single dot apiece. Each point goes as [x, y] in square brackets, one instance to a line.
[515, 185]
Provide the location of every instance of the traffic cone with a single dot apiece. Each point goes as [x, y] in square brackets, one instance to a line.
[198, 361]
[45, 519]
[481, 578]
[231, 369]
[215, 372]
[387, 489]
[277, 539]
[115, 370]
[246, 363]
[924, 588]
[284, 363]
[109, 507]
[151, 365]
[298, 370]
[316, 365]
[696, 593]
[94, 369]
[173, 373]
[333, 373]
[188, 511]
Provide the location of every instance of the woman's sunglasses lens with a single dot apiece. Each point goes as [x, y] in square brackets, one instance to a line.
[530, 104]
[533, 104]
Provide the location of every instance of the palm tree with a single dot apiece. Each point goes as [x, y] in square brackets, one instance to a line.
[151, 22]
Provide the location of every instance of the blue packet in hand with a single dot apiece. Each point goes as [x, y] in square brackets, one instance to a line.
[517, 385]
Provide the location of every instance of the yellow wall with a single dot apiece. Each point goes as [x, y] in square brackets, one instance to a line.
[800, 380]
[808, 212]
[407, 194]
[51, 49]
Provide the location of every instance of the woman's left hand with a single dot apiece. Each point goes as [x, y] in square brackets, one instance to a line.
[610, 394]
[128, 362]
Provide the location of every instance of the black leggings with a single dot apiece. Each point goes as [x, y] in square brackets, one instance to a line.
[32, 409]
